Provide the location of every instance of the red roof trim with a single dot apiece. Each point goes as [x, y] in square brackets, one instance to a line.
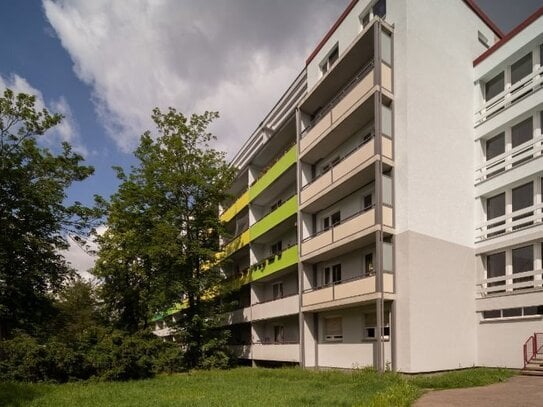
[477, 10]
[331, 31]
[538, 13]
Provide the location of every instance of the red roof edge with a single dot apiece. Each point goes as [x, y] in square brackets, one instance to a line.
[538, 13]
[331, 31]
[482, 15]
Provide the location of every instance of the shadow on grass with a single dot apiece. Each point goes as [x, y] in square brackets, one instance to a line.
[20, 394]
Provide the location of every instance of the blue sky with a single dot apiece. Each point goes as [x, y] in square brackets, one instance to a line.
[106, 64]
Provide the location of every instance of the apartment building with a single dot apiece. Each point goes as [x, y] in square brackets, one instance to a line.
[388, 210]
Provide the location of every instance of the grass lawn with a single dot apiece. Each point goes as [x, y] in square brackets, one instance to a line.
[248, 387]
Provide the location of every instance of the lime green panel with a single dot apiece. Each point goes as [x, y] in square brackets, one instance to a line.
[236, 244]
[283, 164]
[274, 218]
[236, 207]
[274, 264]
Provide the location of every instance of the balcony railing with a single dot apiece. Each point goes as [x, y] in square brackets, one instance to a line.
[276, 351]
[510, 283]
[274, 218]
[241, 202]
[287, 305]
[510, 222]
[344, 231]
[355, 90]
[338, 170]
[509, 159]
[509, 96]
[275, 263]
[356, 286]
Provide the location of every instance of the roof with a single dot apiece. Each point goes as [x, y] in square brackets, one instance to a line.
[470, 3]
[538, 13]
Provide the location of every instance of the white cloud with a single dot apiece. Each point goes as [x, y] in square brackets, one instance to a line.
[236, 57]
[81, 253]
[67, 130]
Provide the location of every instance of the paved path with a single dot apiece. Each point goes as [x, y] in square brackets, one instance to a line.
[525, 391]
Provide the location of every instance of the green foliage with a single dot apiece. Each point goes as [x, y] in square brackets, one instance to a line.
[462, 378]
[237, 387]
[33, 215]
[163, 228]
[100, 355]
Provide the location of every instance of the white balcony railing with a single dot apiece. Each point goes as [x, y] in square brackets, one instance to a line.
[510, 222]
[510, 283]
[280, 352]
[509, 96]
[507, 160]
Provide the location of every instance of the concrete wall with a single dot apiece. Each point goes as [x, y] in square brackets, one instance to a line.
[435, 289]
[500, 342]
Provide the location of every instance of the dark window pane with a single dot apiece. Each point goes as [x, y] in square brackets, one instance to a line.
[495, 206]
[522, 132]
[494, 86]
[495, 267]
[523, 261]
[368, 264]
[523, 197]
[336, 271]
[495, 146]
[367, 201]
[521, 68]
[512, 312]
[380, 8]
[535, 310]
[336, 218]
[492, 314]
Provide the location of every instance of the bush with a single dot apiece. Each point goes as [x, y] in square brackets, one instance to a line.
[98, 354]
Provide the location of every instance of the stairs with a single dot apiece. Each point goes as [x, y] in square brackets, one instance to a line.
[534, 367]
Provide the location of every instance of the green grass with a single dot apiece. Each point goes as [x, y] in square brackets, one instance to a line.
[248, 387]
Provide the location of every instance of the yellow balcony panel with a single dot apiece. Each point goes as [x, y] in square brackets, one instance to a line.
[235, 208]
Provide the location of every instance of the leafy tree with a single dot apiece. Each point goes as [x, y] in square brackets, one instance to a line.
[163, 230]
[33, 215]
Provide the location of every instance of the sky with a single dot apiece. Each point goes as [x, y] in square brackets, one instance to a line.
[106, 64]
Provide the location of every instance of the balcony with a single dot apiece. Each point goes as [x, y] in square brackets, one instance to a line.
[509, 223]
[508, 284]
[275, 263]
[510, 96]
[237, 316]
[273, 172]
[276, 308]
[342, 174]
[238, 205]
[345, 102]
[279, 352]
[235, 244]
[274, 218]
[347, 291]
[345, 234]
[509, 159]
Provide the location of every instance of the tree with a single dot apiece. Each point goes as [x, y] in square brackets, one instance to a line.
[33, 216]
[163, 229]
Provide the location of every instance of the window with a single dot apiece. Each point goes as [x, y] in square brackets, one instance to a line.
[331, 220]
[277, 248]
[520, 134]
[495, 207]
[368, 203]
[523, 261]
[332, 275]
[495, 147]
[521, 68]
[494, 86]
[276, 205]
[277, 289]
[368, 265]
[523, 197]
[495, 267]
[330, 60]
[369, 332]
[512, 312]
[482, 39]
[380, 8]
[492, 314]
[536, 310]
[333, 329]
[278, 333]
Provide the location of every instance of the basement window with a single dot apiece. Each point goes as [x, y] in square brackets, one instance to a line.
[513, 313]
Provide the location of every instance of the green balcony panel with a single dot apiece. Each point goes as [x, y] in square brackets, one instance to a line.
[287, 258]
[274, 218]
[274, 172]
